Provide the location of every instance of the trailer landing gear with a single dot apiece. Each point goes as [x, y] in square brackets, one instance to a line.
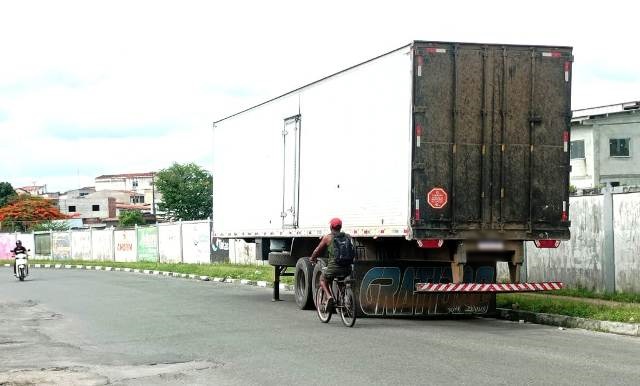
[279, 270]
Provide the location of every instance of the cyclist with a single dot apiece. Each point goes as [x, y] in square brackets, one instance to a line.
[333, 270]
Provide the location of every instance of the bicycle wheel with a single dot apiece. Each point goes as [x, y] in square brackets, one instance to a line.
[348, 309]
[324, 314]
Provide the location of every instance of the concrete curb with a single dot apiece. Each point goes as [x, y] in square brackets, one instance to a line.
[226, 280]
[631, 329]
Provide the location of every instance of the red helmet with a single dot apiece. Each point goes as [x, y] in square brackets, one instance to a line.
[335, 223]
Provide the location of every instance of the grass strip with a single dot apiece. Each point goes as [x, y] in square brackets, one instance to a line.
[234, 271]
[627, 313]
[585, 293]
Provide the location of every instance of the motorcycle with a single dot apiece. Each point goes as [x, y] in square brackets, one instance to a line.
[22, 267]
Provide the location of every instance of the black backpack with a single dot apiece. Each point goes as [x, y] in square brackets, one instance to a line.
[343, 249]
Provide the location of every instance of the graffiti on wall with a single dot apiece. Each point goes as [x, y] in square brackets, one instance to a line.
[42, 245]
[61, 245]
[7, 243]
[148, 244]
[125, 245]
[389, 291]
[195, 243]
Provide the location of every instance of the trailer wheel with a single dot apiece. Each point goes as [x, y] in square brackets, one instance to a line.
[303, 290]
[317, 271]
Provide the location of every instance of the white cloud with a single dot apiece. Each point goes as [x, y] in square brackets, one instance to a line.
[106, 87]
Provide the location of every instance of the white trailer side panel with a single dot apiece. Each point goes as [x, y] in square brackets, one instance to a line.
[354, 156]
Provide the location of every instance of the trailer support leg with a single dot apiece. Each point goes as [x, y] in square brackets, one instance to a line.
[457, 265]
[276, 283]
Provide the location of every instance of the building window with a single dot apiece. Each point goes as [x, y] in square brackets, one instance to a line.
[137, 199]
[135, 183]
[72, 208]
[619, 147]
[84, 194]
[577, 149]
[95, 208]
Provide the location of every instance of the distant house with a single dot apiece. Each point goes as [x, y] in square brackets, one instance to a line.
[34, 190]
[76, 193]
[103, 206]
[90, 210]
[142, 184]
[605, 146]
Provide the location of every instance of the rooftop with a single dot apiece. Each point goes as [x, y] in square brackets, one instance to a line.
[599, 111]
[125, 175]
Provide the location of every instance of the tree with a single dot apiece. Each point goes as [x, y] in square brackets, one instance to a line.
[23, 213]
[130, 218]
[186, 191]
[51, 226]
[6, 193]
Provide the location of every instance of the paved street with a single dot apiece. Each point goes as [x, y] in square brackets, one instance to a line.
[87, 327]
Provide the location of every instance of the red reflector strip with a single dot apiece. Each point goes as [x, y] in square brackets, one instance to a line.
[565, 140]
[552, 54]
[493, 287]
[434, 50]
[417, 214]
[420, 60]
[418, 135]
[547, 243]
[430, 243]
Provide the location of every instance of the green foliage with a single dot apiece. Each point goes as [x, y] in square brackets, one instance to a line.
[130, 218]
[573, 189]
[617, 312]
[6, 193]
[186, 192]
[623, 297]
[51, 226]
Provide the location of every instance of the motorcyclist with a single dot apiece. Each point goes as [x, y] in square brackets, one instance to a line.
[18, 249]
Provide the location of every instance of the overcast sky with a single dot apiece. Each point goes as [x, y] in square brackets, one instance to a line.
[90, 88]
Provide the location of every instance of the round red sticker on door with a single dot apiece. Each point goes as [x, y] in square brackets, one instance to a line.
[437, 198]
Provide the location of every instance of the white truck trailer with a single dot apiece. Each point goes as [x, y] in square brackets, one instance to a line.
[440, 158]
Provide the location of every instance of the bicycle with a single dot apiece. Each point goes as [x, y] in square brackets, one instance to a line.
[344, 302]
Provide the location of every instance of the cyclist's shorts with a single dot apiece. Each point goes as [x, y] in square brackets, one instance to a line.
[336, 272]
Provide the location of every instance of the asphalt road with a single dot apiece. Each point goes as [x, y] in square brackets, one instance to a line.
[87, 327]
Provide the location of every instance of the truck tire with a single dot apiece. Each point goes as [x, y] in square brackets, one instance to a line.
[282, 258]
[317, 271]
[303, 285]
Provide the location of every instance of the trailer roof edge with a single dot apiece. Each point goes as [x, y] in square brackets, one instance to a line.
[314, 82]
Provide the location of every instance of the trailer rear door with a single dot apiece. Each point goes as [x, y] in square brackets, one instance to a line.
[490, 154]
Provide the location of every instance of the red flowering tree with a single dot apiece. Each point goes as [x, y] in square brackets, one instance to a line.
[25, 212]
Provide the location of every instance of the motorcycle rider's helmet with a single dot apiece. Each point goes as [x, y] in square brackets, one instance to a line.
[19, 243]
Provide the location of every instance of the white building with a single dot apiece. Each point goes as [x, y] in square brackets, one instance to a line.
[142, 184]
[605, 146]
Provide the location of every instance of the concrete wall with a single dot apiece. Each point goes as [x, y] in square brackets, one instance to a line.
[604, 251]
[576, 262]
[626, 231]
